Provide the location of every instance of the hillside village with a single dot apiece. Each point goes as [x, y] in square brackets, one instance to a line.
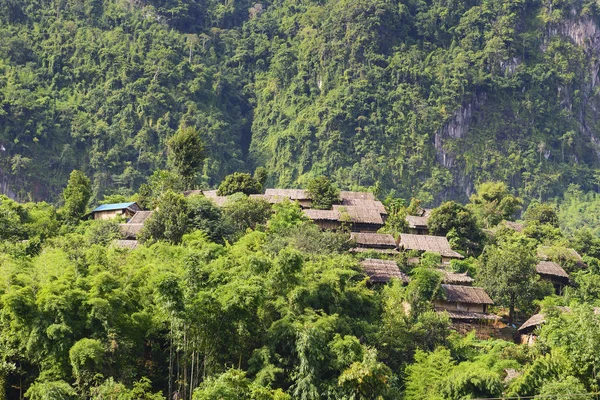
[385, 256]
[245, 291]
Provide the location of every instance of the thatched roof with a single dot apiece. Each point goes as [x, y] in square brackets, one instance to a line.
[434, 244]
[374, 250]
[515, 226]
[358, 214]
[269, 198]
[370, 204]
[542, 253]
[374, 239]
[140, 217]
[538, 319]
[322, 215]
[130, 231]
[381, 271]
[467, 315]
[344, 196]
[535, 321]
[454, 278]
[188, 193]
[417, 222]
[551, 268]
[212, 195]
[466, 294]
[293, 194]
[126, 244]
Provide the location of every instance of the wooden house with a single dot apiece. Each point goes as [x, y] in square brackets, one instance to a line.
[553, 273]
[109, 211]
[381, 271]
[324, 219]
[527, 331]
[455, 278]
[360, 218]
[299, 195]
[376, 242]
[433, 244]
[374, 205]
[417, 225]
[464, 303]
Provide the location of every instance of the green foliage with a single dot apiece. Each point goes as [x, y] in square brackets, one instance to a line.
[169, 222]
[205, 216]
[579, 210]
[76, 196]
[493, 203]
[239, 182]
[51, 391]
[246, 213]
[186, 154]
[323, 193]
[286, 215]
[507, 272]
[86, 357]
[455, 218]
[425, 377]
[541, 213]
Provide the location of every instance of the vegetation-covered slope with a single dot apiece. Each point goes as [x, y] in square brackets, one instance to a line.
[424, 97]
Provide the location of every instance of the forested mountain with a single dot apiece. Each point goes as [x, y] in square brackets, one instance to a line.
[426, 97]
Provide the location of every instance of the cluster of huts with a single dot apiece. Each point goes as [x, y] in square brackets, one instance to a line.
[363, 215]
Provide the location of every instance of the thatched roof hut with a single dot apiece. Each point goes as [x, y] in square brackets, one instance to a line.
[381, 271]
[368, 204]
[140, 217]
[377, 242]
[466, 295]
[345, 196]
[455, 278]
[130, 231]
[552, 269]
[415, 222]
[359, 214]
[212, 195]
[368, 239]
[126, 244]
[434, 244]
[322, 215]
[292, 194]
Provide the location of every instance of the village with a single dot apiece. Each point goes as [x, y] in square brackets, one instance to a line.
[384, 257]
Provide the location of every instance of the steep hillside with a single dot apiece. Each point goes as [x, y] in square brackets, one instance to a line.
[423, 97]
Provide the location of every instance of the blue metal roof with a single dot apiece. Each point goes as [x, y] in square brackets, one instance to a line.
[111, 207]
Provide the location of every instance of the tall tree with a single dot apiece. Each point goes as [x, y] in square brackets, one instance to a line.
[493, 203]
[169, 222]
[239, 182]
[76, 196]
[322, 193]
[453, 217]
[507, 272]
[186, 154]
